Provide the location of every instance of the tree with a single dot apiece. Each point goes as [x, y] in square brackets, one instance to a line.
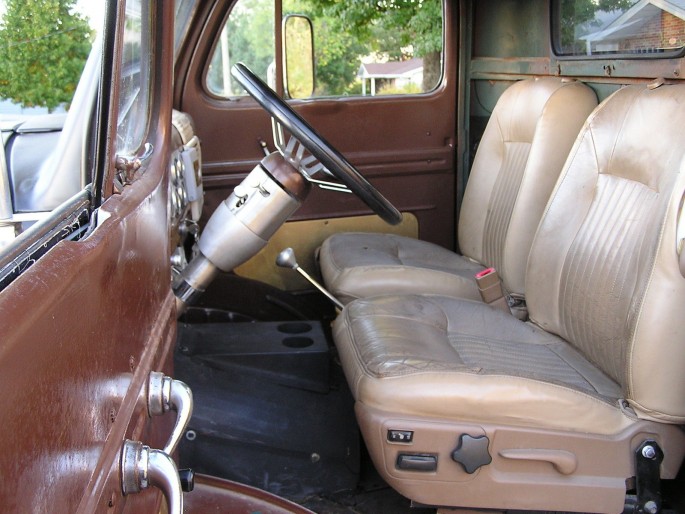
[395, 24]
[344, 33]
[575, 13]
[44, 46]
[337, 51]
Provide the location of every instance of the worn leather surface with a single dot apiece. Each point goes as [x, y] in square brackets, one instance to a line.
[605, 296]
[358, 265]
[603, 270]
[450, 358]
[520, 156]
[542, 117]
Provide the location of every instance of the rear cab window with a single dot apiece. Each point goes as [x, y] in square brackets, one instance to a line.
[591, 28]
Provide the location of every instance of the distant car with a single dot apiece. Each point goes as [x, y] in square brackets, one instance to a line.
[28, 144]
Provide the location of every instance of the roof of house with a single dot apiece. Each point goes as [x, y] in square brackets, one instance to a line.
[640, 13]
[390, 69]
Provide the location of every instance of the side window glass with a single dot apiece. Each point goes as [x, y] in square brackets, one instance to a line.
[591, 27]
[47, 84]
[247, 37]
[134, 95]
[361, 48]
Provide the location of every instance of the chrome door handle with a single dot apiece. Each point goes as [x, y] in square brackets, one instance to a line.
[142, 467]
[165, 394]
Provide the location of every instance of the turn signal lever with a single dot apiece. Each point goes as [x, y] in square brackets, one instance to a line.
[286, 259]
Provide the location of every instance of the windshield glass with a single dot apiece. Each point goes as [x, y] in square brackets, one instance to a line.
[184, 12]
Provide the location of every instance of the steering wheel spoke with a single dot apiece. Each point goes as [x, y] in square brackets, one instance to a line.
[322, 154]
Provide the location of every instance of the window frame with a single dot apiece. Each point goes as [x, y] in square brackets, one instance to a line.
[279, 58]
[555, 44]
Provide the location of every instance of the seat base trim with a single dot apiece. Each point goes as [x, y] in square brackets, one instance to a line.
[598, 484]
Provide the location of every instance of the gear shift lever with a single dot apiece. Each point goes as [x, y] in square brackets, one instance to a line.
[286, 259]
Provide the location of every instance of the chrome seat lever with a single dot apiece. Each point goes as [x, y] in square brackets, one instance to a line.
[165, 394]
[142, 467]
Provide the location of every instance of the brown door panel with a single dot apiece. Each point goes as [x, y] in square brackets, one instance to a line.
[428, 194]
[231, 129]
[82, 328]
[404, 145]
[407, 153]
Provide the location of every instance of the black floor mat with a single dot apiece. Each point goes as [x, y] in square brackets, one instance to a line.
[272, 409]
[372, 496]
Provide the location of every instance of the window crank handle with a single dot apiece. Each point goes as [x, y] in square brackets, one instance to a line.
[165, 394]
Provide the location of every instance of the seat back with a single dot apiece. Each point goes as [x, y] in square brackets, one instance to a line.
[604, 271]
[520, 156]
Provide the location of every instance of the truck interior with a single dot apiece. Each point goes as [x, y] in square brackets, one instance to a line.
[457, 294]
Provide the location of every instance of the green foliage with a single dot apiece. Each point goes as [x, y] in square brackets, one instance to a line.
[346, 31]
[250, 40]
[44, 46]
[299, 57]
[406, 89]
[390, 24]
[336, 50]
[575, 13]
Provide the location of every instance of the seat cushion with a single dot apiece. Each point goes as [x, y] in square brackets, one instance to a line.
[358, 265]
[449, 358]
[519, 158]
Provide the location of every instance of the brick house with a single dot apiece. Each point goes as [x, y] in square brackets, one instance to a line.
[649, 26]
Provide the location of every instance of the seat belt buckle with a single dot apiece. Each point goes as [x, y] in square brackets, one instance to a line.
[490, 289]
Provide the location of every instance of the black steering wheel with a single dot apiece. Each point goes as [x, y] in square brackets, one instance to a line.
[318, 146]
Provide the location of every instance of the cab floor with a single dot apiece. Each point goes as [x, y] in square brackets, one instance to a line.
[372, 496]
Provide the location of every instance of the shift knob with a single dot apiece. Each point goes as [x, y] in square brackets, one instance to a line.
[286, 259]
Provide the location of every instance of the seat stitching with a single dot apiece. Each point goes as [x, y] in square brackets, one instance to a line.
[397, 316]
[619, 133]
[640, 302]
[384, 267]
[377, 268]
[555, 360]
[355, 349]
[596, 398]
[570, 365]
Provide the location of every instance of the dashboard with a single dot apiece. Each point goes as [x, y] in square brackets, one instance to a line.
[185, 192]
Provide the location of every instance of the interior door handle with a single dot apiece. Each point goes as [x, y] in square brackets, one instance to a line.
[142, 467]
[165, 394]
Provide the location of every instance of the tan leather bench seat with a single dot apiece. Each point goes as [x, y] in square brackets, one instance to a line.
[518, 161]
[552, 411]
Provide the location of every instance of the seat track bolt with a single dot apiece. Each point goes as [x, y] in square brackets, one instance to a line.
[648, 452]
[651, 507]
